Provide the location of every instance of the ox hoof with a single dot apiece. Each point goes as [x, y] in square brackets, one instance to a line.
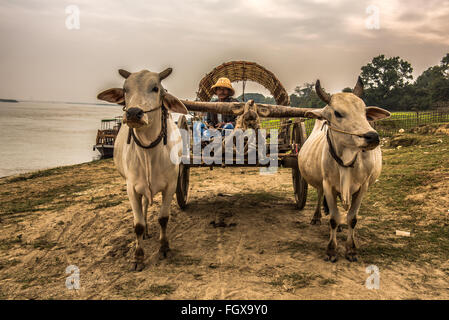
[351, 257]
[351, 254]
[163, 254]
[339, 228]
[331, 252]
[137, 266]
[331, 258]
[164, 249]
[315, 221]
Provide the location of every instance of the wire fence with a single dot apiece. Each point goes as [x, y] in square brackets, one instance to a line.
[387, 127]
[409, 120]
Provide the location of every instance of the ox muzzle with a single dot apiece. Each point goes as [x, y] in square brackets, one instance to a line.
[372, 140]
[134, 117]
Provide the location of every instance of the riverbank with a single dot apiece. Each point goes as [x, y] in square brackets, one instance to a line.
[37, 136]
[80, 215]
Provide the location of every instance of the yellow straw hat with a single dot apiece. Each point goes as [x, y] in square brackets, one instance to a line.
[224, 83]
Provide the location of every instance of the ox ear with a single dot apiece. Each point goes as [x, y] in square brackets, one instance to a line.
[376, 113]
[164, 74]
[315, 114]
[173, 103]
[263, 111]
[125, 74]
[114, 95]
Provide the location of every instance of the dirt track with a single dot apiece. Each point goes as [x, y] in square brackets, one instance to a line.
[268, 251]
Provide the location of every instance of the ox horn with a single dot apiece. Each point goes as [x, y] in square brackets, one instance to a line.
[321, 93]
[358, 89]
[125, 74]
[164, 74]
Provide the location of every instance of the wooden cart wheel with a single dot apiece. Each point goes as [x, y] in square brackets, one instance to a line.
[299, 184]
[182, 189]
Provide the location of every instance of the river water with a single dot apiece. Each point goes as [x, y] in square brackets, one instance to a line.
[36, 136]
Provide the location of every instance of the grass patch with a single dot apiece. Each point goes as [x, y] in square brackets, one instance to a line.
[108, 204]
[36, 174]
[33, 200]
[107, 201]
[159, 290]
[327, 281]
[404, 172]
[9, 263]
[6, 244]
[57, 171]
[43, 244]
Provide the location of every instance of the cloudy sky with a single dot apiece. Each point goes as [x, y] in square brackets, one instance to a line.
[300, 41]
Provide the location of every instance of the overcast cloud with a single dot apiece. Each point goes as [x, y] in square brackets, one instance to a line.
[299, 41]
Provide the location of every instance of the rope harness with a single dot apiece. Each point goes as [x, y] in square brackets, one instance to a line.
[162, 134]
[332, 149]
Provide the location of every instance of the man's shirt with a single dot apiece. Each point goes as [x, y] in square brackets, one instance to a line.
[214, 118]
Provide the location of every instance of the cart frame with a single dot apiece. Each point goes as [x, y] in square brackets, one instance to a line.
[291, 134]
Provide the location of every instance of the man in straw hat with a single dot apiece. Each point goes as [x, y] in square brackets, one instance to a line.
[224, 91]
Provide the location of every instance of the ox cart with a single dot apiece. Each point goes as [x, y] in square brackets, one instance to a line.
[287, 120]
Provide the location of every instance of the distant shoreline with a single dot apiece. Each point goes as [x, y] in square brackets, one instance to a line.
[9, 100]
[56, 102]
[32, 173]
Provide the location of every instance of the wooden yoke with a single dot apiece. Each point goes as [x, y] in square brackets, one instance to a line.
[236, 108]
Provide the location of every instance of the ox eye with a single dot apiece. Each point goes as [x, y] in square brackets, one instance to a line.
[155, 89]
[338, 114]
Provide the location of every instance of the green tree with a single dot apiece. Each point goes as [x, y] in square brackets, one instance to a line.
[385, 80]
[431, 88]
[386, 73]
[445, 64]
[306, 97]
[257, 97]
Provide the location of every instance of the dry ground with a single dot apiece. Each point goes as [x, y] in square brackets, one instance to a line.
[80, 215]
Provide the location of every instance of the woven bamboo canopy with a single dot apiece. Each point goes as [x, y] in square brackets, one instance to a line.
[243, 71]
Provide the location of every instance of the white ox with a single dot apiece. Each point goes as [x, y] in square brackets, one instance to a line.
[342, 158]
[142, 150]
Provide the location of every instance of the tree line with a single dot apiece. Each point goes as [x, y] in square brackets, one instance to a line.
[388, 84]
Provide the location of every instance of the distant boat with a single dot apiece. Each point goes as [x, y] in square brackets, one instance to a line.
[106, 136]
[8, 100]
[109, 130]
